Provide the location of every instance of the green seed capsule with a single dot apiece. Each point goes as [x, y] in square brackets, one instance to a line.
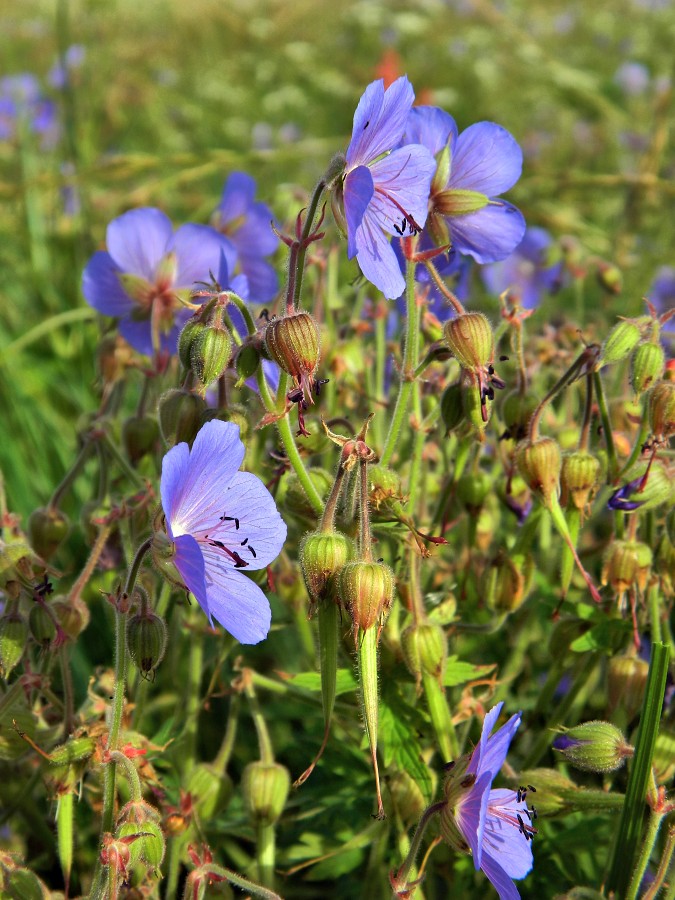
[265, 787]
[140, 435]
[620, 342]
[648, 364]
[42, 626]
[47, 529]
[580, 477]
[294, 343]
[452, 408]
[146, 639]
[322, 555]
[13, 637]
[471, 340]
[540, 463]
[366, 590]
[425, 650]
[180, 416]
[210, 353]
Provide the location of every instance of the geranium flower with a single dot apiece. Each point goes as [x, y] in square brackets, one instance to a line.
[474, 168]
[22, 101]
[494, 823]
[662, 293]
[385, 190]
[148, 270]
[527, 273]
[248, 225]
[221, 521]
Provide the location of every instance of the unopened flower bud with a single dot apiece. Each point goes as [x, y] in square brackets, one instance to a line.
[322, 556]
[647, 365]
[247, 361]
[210, 353]
[140, 435]
[192, 329]
[626, 565]
[580, 477]
[42, 626]
[47, 529]
[265, 788]
[75, 749]
[210, 790]
[506, 581]
[23, 884]
[540, 463]
[619, 343]
[366, 590]
[146, 639]
[594, 746]
[662, 410]
[13, 637]
[452, 408]
[471, 340]
[294, 343]
[472, 489]
[626, 681]
[180, 415]
[517, 409]
[425, 650]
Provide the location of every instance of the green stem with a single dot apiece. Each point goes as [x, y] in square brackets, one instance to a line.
[264, 742]
[654, 603]
[653, 828]
[400, 878]
[266, 853]
[193, 701]
[71, 475]
[613, 464]
[222, 759]
[367, 663]
[293, 456]
[302, 250]
[662, 871]
[437, 704]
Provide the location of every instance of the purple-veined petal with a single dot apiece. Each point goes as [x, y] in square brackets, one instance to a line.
[101, 286]
[377, 259]
[379, 120]
[470, 815]
[235, 601]
[189, 561]
[490, 234]
[489, 722]
[175, 469]
[358, 192]
[255, 237]
[198, 249]
[259, 532]
[432, 127]
[487, 159]
[137, 240]
[195, 503]
[494, 752]
[261, 278]
[502, 839]
[237, 198]
[402, 181]
[501, 881]
[138, 334]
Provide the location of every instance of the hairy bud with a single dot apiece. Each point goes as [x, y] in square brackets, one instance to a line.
[620, 343]
[662, 410]
[294, 343]
[13, 636]
[180, 416]
[470, 340]
[322, 556]
[540, 463]
[146, 639]
[366, 590]
[594, 746]
[580, 477]
[425, 650]
[265, 788]
[647, 365]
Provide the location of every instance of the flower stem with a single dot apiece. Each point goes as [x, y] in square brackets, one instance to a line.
[302, 250]
[662, 871]
[399, 879]
[71, 475]
[367, 662]
[653, 828]
[613, 464]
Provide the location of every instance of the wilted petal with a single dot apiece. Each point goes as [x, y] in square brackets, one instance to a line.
[198, 249]
[487, 159]
[137, 240]
[490, 234]
[235, 601]
[102, 288]
[379, 120]
[430, 126]
[358, 192]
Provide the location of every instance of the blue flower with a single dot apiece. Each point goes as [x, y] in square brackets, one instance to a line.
[221, 521]
[22, 103]
[528, 272]
[385, 190]
[248, 225]
[147, 272]
[662, 293]
[494, 822]
[474, 168]
[454, 268]
[61, 72]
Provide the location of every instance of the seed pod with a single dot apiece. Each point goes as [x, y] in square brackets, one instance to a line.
[73, 616]
[619, 344]
[662, 410]
[472, 490]
[506, 581]
[294, 343]
[247, 361]
[610, 277]
[470, 340]
[517, 409]
[627, 564]
[146, 639]
[366, 590]
[648, 364]
[42, 626]
[540, 463]
[210, 790]
[180, 416]
[265, 788]
[322, 555]
[210, 353]
[580, 477]
[452, 408]
[149, 846]
[47, 529]
[425, 650]
[384, 484]
[140, 435]
[13, 637]
[626, 681]
[594, 746]
[191, 330]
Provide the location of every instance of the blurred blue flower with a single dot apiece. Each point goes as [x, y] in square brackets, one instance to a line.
[22, 103]
[221, 520]
[662, 293]
[495, 822]
[61, 72]
[474, 168]
[148, 270]
[248, 225]
[527, 273]
[385, 190]
[633, 78]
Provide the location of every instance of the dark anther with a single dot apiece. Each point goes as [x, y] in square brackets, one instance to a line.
[264, 315]
[296, 395]
[491, 370]
[468, 780]
[244, 542]
[231, 519]
[398, 230]
[535, 814]
[448, 766]
[239, 563]
[490, 393]
[381, 559]
[253, 553]
[218, 544]
[503, 358]
[318, 384]
[366, 125]
[533, 789]
[521, 824]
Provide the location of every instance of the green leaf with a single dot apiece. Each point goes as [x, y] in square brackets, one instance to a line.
[608, 636]
[398, 730]
[459, 672]
[311, 681]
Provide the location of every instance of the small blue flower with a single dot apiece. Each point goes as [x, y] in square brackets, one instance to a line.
[662, 293]
[61, 72]
[22, 103]
[494, 822]
[221, 521]
[527, 273]
[474, 168]
[147, 270]
[385, 190]
[625, 498]
[248, 225]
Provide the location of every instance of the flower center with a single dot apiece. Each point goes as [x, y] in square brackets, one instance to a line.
[234, 555]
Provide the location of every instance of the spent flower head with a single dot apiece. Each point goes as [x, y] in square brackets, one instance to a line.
[147, 273]
[220, 521]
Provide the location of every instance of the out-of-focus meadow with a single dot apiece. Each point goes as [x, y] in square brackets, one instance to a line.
[154, 104]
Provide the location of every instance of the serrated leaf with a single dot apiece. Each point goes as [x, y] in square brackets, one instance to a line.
[400, 744]
[459, 672]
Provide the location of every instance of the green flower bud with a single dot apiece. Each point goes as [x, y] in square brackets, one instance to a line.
[517, 409]
[191, 330]
[366, 590]
[626, 681]
[626, 564]
[294, 343]
[247, 361]
[555, 792]
[470, 340]
[210, 353]
[662, 410]
[593, 746]
[580, 477]
[610, 277]
[452, 408]
[648, 487]
[73, 616]
[140, 436]
[13, 637]
[322, 555]
[149, 846]
[425, 650]
[146, 639]
[506, 582]
[75, 749]
[664, 756]
[648, 364]
[540, 463]
[22, 884]
[180, 415]
[210, 790]
[234, 412]
[619, 344]
[472, 489]
[265, 788]
[47, 529]
[42, 626]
